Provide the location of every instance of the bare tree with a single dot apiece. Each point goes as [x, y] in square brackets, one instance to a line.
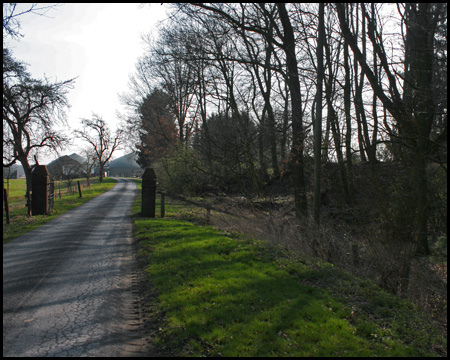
[97, 133]
[31, 108]
[167, 61]
[87, 166]
[245, 19]
[11, 24]
[261, 66]
[414, 111]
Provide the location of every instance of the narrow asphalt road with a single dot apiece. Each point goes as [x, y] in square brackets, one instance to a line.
[66, 285]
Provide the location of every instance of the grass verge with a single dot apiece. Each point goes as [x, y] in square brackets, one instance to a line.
[20, 222]
[225, 295]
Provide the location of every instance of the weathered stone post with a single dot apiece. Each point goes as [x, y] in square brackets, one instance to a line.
[148, 206]
[5, 197]
[39, 188]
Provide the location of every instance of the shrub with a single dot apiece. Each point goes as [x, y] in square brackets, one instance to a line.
[178, 172]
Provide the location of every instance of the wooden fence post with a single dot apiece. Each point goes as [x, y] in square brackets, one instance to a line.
[79, 189]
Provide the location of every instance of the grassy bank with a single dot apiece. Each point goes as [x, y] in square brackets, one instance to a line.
[21, 223]
[226, 295]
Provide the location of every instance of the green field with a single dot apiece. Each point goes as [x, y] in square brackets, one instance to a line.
[221, 294]
[65, 199]
[16, 188]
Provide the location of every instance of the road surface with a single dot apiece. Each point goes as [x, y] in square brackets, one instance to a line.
[66, 285]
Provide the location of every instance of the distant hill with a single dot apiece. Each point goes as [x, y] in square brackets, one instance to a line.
[125, 166]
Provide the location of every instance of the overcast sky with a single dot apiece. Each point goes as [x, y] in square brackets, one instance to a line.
[98, 43]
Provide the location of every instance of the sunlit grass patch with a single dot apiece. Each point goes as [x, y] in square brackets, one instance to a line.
[21, 223]
[225, 296]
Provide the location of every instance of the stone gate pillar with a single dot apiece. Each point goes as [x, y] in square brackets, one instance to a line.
[148, 206]
[39, 188]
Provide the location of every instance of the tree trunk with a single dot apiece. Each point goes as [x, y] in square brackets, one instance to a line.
[284, 136]
[273, 140]
[268, 105]
[418, 81]
[261, 133]
[348, 121]
[28, 173]
[372, 151]
[414, 113]
[318, 122]
[100, 178]
[297, 114]
[359, 107]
